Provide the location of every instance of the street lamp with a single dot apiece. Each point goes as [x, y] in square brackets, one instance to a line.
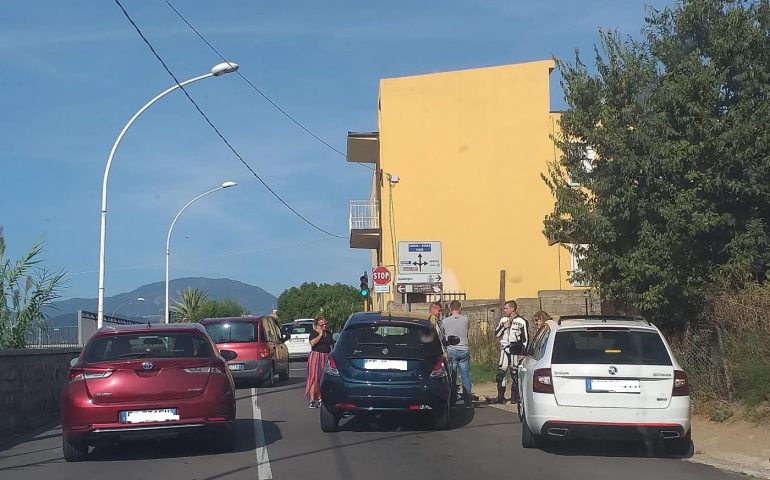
[139, 299]
[171, 228]
[216, 71]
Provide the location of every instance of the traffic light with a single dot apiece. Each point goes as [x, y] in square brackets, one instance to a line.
[364, 285]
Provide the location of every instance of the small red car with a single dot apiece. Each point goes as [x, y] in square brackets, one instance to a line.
[259, 344]
[147, 381]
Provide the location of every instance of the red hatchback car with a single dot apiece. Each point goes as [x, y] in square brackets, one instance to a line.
[147, 381]
[259, 344]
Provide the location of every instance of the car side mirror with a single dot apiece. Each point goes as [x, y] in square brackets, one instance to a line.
[228, 355]
[73, 361]
[452, 340]
[336, 336]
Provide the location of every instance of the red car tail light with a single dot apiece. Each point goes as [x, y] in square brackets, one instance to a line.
[331, 367]
[347, 406]
[438, 369]
[542, 382]
[681, 385]
[263, 352]
[88, 374]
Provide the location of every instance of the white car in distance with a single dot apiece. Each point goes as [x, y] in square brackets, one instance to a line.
[299, 343]
[603, 377]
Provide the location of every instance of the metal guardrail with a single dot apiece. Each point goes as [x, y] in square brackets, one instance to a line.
[364, 214]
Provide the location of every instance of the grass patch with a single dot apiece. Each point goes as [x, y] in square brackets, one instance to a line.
[721, 413]
[481, 373]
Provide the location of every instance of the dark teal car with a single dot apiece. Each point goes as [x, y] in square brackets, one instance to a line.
[386, 363]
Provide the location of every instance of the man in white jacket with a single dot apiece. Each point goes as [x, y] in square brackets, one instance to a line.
[512, 330]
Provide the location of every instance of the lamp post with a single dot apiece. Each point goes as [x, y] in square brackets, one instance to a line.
[166, 317]
[139, 299]
[216, 71]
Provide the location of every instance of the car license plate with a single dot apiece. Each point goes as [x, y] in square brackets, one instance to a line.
[236, 366]
[149, 416]
[600, 385]
[299, 340]
[385, 365]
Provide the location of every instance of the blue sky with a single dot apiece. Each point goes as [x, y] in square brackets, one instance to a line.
[75, 72]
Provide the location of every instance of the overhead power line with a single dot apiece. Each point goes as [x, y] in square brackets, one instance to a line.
[216, 130]
[260, 92]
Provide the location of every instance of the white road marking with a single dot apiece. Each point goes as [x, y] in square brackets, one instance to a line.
[264, 472]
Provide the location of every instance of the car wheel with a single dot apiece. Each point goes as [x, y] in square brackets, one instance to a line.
[269, 381]
[528, 439]
[441, 420]
[680, 446]
[330, 422]
[74, 451]
[285, 375]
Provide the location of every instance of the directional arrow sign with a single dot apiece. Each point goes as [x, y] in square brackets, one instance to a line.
[419, 257]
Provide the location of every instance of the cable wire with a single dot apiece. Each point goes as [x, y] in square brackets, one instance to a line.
[216, 130]
[260, 92]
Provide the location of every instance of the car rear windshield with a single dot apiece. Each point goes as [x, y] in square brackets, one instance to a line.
[625, 347]
[232, 332]
[401, 341]
[302, 328]
[125, 346]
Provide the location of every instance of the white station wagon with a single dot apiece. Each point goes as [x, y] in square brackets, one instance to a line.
[603, 377]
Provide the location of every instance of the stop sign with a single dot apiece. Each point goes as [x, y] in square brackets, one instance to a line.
[381, 275]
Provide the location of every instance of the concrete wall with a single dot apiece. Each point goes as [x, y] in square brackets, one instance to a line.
[31, 383]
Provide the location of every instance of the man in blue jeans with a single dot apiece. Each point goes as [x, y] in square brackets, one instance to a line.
[458, 325]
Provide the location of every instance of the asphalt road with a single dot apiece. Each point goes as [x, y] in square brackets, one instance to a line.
[279, 437]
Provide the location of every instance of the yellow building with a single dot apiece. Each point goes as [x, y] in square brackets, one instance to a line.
[458, 160]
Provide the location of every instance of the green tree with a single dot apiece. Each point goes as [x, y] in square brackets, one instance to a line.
[189, 308]
[677, 195]
[25, 288]
[222, 308]
[335, 301]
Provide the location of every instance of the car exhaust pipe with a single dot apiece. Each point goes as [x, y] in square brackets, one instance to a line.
[669, 434]
[557, 432]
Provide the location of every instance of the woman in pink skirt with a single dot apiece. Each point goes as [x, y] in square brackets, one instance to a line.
[321, 342]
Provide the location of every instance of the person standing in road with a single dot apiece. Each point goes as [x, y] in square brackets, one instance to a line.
[321, 342]
[512, 330]
[435, 315]
[458, 325]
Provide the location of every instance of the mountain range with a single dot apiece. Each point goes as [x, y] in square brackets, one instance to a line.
[150, 308]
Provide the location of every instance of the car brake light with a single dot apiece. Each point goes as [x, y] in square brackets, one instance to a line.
[438, 369]
[331, 367]
[681, 385]
[88, 374]
[542, 382]
[263, 352]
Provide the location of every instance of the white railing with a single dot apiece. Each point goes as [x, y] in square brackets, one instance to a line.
[364, 214]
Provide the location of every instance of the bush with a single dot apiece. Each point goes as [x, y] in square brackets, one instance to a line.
[721, 413]
[752, 380]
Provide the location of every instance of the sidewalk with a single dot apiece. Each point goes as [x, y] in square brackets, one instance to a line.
[736, 445]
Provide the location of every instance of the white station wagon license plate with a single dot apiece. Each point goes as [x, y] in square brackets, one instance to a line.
[149, 416]
[600, 385]
[385, 365]
[235, 366]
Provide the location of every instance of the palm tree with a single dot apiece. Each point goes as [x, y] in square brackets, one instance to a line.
[189, 308]
[25, 288]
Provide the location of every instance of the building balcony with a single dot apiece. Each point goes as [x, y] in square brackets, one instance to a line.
[364, 224]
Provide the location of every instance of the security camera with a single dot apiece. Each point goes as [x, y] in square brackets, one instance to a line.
[393, 178]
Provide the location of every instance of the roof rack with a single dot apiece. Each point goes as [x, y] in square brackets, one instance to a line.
[604, 318]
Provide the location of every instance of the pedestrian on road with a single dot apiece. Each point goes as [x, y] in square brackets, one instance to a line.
[458, 325]
[540, 317]
[321, 342]
[435, 314]
[512, 330]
